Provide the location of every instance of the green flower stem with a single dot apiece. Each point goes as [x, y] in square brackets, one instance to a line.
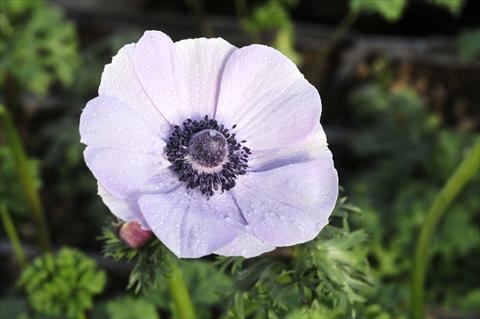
[26, 179]
[179, 293]
[464, 172]
[12, 236]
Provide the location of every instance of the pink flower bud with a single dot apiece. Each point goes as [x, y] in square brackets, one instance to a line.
[133, 235]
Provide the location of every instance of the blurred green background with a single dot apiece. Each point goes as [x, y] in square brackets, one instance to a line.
[399, 81]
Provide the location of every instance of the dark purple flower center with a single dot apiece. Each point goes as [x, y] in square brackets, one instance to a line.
[208, 148]
[206, 156]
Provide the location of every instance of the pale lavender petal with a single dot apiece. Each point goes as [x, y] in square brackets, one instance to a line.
[245, 245]
[120, 80]
[126, 174]
[156, 65]
[290, 204]
[182, 79]
[124, 209]
[188, 224]
[313, 147]
[203, 61]
[264, 93]
[108, 122]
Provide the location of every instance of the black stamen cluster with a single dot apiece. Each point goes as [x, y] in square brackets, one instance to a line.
[177, 151]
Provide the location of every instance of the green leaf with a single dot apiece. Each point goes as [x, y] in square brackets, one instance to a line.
[454, 6]
[270, 23]
[239, 305]
[131, 308]
[390, 10]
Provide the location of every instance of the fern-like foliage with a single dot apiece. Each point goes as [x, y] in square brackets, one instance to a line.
[37, 45]
[152, 262]
[330, 272]
[62, 285]
[333, 268]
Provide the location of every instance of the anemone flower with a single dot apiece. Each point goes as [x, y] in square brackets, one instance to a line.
[215, 149]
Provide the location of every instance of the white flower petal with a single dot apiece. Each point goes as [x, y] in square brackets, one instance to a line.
[290, 204]
[126, 210]
[156, 65]
[203, 61]
[182, 79]
[127, 174]
[313, 147]
[245, 245]
[120, 80]
[264, 93]
[188, 224]
[108, 122]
